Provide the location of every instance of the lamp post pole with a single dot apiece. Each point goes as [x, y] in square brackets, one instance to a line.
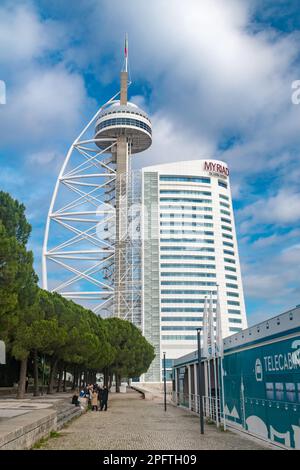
[165, 383]
[43, 375]
[199, 384]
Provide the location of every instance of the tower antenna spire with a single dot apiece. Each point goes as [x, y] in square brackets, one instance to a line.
[126, 52]
[124, 75]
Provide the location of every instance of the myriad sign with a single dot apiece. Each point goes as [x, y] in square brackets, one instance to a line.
[215, 169]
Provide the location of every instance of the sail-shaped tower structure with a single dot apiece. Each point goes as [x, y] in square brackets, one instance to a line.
[90, 253]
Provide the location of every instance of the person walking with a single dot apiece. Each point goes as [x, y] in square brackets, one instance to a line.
[104, 398]
[94, 400]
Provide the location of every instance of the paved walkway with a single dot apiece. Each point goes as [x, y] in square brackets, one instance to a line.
[133, 423]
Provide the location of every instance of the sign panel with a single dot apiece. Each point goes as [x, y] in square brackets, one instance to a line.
[262, 391]
[215, 169]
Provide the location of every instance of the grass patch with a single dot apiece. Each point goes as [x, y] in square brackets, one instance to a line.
[39, 444]
[54, 434]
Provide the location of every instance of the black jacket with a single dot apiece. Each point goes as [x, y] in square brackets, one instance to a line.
[104, 394]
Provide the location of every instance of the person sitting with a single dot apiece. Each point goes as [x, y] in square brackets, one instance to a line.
[75, 399]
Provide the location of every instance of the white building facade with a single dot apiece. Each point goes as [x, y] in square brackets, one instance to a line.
[189, 248]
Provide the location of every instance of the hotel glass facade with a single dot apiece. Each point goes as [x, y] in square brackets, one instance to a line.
[189, 247]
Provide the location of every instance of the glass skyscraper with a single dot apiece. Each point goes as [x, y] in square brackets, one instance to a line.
[189, 247]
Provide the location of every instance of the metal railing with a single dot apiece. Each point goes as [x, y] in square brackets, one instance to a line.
[211, 405]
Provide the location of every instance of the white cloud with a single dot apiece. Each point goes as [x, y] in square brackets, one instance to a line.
[46, 102]
[23, 36]
[282, 208]
[46, 107]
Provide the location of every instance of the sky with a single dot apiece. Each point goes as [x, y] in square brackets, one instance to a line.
[216, 78]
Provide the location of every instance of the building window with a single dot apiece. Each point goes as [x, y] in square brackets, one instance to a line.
[177, 199]
[235, 320]
[225, 212]
[171, 231]
[185, 179]
[176, 319]
[189, 266]
[189, 274]
[229, 260]
[226, 235]
[232, 294]
[270, 390]
[279, 393]
[224, 227]
[227, 221]
[224, 204]
[186, 216]
[229, 268]
[232, 302]
[123, 122]
[222, 184]
[235, 330]
[185, 191]
[290, 392]
[179, 328]
[183, 310]
[232, 286]
[192, 257]
[222, 196]
[185, 301]
[186, 248]
[185, 208]
[184, 283]
[230, 276]
[233, 311]
[188, 292]
[187, 240]
[228, 244]
[179, 337]
[228, 252]
[172, 223]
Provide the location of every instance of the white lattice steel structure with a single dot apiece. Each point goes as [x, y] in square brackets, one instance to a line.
[90, 253]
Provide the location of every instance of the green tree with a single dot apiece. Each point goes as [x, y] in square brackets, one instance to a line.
[8, 282]
[12, 215]
[18, 282]
[133, 354]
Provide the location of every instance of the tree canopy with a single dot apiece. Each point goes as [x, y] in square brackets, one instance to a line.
[35, 321]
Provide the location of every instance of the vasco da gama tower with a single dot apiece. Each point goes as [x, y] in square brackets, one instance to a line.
[148, 245]
[92, 245]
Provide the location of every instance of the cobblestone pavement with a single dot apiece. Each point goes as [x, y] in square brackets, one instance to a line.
[132, 423]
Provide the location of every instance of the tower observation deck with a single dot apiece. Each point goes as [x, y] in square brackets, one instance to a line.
[87, 238]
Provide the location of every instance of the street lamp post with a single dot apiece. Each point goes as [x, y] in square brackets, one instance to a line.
[165, 383]
[199, 384]
[43, 376]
